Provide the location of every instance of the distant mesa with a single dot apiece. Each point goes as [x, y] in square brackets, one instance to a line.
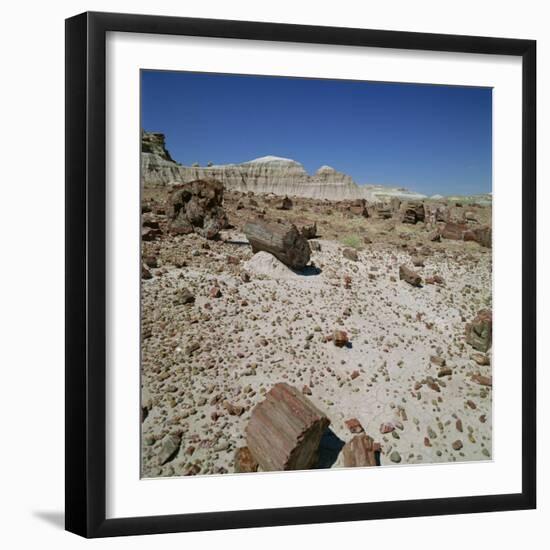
[263, 175]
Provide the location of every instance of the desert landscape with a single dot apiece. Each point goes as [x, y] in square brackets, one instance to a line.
[297, 321]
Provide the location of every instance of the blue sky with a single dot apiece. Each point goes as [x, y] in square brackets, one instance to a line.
[431, 139]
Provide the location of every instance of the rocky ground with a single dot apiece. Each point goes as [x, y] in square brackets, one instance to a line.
[221, 326]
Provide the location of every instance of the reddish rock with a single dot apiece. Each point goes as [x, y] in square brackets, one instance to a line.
[244, 461]
[386, 428]
[483, 380]
[354, 426]
[197, 207]
[433, 385]
[360, 452]
[306, 390]
[355, 374]
[340, 338]
[479, 332]
[285, 430]
[454, 231]
[215, 292]
[413, 213]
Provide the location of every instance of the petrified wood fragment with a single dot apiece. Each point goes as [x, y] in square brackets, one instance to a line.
[410, 276]
[360, 451]
[414, 212]
[285, 430]
[479, 332]
[309, 231]
[197, 207]
[483, 236]
[244, 461]
[454, 231]
[283, 240]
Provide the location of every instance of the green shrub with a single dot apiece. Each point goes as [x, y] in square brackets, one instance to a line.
[353, 241]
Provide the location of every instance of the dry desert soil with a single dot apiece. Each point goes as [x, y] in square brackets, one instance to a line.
[221, 326]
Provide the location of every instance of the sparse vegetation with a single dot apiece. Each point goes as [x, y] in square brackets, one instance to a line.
[353, 241]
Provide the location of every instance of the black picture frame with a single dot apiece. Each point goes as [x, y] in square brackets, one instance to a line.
[86, 274]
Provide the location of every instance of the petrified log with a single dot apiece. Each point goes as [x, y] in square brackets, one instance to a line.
[197, 207]
[283, 240]
[285, 430]
[479, 333]
[360, 451]
[454, 231]
[410, 276]
[383, 212]
[414, 212]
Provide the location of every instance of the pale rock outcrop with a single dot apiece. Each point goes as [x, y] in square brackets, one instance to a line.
[264, 175]
[270, 174]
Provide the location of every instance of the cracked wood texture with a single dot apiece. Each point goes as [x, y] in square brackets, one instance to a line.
[283, 240]
[360, 451]
[285, 430]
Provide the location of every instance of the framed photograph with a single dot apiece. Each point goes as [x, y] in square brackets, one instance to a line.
[300, 274]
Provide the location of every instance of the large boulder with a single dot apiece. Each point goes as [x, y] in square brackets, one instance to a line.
[197, 207]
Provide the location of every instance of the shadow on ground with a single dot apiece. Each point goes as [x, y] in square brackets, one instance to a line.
[308, 271]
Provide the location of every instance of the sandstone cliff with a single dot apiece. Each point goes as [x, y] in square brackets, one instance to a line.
[270, 174]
